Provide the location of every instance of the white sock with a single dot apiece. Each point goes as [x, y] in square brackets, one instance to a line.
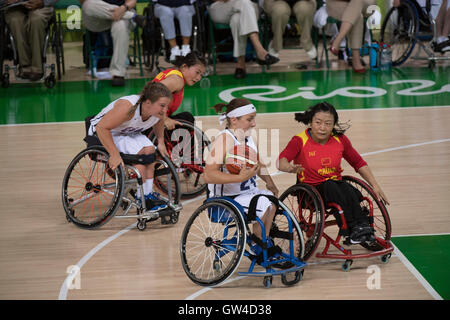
[148, 186]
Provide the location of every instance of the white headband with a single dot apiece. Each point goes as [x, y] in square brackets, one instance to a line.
[238, 112]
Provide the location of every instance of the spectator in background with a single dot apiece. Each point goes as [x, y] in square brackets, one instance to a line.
[242, 16]
[166, 11]
[443, 28]
[119, 17]
[27, 23]
[350, 13]
[280, 11]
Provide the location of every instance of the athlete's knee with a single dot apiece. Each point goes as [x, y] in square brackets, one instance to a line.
[148, 150]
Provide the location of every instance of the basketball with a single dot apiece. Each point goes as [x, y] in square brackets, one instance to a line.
[238, 157]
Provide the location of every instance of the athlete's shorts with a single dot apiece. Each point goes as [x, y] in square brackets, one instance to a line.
[262, 205]
[131, 144]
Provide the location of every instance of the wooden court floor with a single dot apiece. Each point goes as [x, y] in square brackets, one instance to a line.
[408, 149]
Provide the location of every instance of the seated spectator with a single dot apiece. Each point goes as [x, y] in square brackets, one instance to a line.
[280, 11]
[242, 16]
[166, 11]
[27, 23]
[117, 16]
[443, 28]
[350, 13]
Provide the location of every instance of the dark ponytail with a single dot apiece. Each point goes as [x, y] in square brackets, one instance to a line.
[191, 59]
[307, 116]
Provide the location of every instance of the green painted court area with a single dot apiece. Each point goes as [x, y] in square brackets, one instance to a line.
[271, 92]
[430, 255]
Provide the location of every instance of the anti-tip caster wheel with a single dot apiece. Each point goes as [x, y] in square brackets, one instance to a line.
[385, 258]
[141, 224]
[267, 281]
[346, 265]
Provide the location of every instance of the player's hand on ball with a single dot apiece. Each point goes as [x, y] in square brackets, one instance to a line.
[246, 172]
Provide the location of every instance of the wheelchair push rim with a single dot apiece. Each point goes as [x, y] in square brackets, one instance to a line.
[213, 243]
[91, 191]
[307, 206]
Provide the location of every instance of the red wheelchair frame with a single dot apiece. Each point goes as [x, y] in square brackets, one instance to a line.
[314, 217]
[187, 156]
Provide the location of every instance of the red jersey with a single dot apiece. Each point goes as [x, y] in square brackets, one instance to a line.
[321, 162]
[177, 97]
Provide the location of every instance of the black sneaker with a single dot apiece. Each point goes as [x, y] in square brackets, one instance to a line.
[118, 81]
[361, 233]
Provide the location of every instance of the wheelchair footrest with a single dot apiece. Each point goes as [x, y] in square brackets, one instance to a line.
[272, 272]
[272, 251]
[168, 215]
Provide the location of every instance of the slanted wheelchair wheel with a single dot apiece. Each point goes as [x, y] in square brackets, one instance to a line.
[213, 243]
[379, 220]
[186, 145]
[91, 191]
[307, 206]
[399, 30]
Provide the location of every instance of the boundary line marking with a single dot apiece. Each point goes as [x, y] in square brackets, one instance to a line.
[216, 115]
[416, 274]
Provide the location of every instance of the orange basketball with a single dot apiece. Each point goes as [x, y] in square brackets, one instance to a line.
[238, 157]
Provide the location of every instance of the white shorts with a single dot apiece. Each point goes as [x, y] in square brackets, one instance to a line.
[262, 205]
[131, 144]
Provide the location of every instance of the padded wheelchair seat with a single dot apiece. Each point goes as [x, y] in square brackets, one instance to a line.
[138, 158]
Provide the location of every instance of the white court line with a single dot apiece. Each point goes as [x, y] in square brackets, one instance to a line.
[69, 279]
[65, 286]
[417, 274]
[216, 115]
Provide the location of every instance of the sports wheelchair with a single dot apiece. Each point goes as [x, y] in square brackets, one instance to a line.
[406, 25]
[314, 217]
[217, 236]
[155, 45]
[92, 193]
[8, 51]
[186, 145]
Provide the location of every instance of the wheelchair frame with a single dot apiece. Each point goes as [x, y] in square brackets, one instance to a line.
[223, 231]
[119, 186]
[312, 216]
[53, 36]
[418, 20]
[182, 161]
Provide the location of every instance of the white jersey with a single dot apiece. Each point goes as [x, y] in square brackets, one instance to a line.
[233, 189]
[132, 126]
